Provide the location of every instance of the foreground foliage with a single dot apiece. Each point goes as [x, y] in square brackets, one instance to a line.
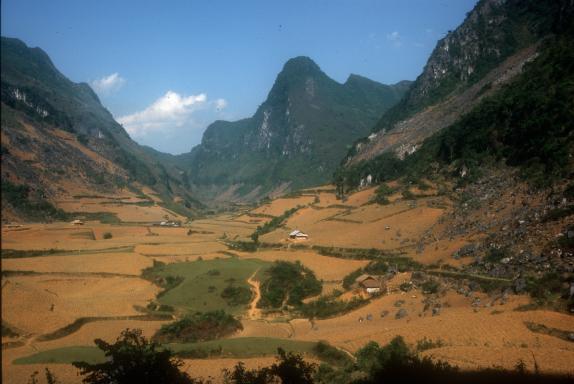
[134, 359]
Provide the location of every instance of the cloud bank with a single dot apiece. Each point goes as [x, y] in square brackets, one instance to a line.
[170, 112]
[108, 84]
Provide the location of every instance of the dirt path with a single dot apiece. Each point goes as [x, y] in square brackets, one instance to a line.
[254, 313]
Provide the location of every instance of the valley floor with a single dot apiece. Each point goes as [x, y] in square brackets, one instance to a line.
[65, 285]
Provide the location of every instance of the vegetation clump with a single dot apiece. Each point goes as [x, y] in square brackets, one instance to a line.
[325, 307]
[382, 193]
[236, 295]
[273, 224]
[199, 327]
[288, 283]
[134, 359]
[31, 204]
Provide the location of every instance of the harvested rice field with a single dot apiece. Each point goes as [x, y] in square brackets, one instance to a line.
[65, 285]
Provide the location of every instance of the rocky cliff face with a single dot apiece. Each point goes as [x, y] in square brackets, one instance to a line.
[296, 137]
[486, 51]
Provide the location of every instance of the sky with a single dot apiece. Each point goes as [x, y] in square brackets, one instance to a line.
[167, 69]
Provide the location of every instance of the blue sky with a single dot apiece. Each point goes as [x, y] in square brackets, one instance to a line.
[167, 69]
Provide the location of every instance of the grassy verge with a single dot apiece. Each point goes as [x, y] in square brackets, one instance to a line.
[486, 283]
[19, 253]
[233, 348]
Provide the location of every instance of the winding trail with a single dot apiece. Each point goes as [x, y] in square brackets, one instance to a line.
[254, 313]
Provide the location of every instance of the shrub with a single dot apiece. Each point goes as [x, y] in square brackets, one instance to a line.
[107, 235]
[325, 307]
[349, 280]
[199, 327]
[329, 354]
[236, 295]
[288, 281]
[430, 286]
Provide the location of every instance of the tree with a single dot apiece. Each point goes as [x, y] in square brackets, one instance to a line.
[134, 359]
[50, 377]
[290, 368]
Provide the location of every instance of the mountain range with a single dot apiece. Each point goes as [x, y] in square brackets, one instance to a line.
[58, 140]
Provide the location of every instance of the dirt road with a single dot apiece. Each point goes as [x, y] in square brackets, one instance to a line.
[254, 313]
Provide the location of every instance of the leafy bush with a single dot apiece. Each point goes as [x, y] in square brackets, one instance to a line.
[325, 307]
[329, 354]
[107, 235]
[349, 280]
[544, 287]
[199, 327]
[236, 295]
[430, 286]
[290, 282]
[29, 203]
[426, 344]
[381, 194]
[494, 255]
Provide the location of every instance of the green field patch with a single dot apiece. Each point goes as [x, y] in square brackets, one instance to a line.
[244, 347]
[198, 286]
[21, 253]
[65, 355]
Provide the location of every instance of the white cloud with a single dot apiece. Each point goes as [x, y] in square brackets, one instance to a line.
[220, 104]
[108, 84]
[395, 38]
[170, 112]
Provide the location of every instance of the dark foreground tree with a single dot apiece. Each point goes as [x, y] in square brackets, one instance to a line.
[134, 359]
[290, 368]
[50, 377]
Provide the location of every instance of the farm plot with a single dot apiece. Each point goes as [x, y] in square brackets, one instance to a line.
[127, 212]
[197, 248]
[204, 282]
[389, 233]
[279, 206]
[113, 262]
[325, 267]
[45, 303]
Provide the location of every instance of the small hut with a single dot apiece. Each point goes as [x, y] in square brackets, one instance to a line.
[298, 235]
[369, 283]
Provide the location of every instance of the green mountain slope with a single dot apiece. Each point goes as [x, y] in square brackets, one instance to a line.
[56, 132]
[485, 52]
[296, 137]
[527, 124]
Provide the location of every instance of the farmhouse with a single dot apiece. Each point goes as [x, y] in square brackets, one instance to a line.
[369, 283]
[77, 222]
[172, 223]
[298, 235]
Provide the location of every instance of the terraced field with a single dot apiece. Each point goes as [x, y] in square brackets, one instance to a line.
[64, 285]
